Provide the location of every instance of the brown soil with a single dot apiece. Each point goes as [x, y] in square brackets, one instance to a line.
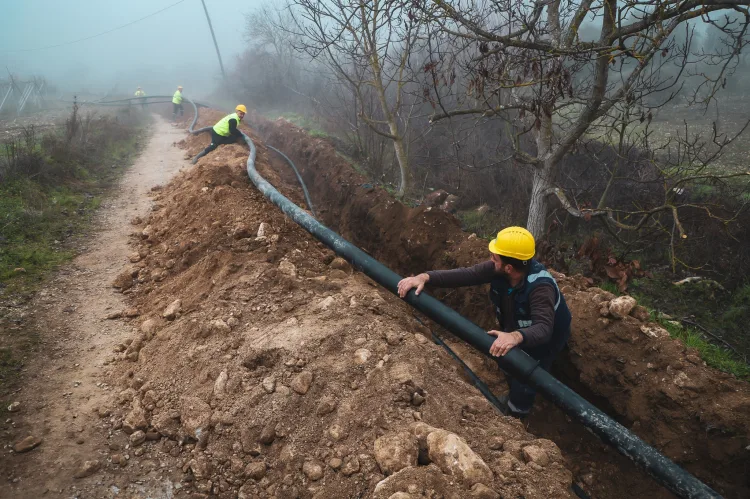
[697, 416]
[278, 371]
[280, 368]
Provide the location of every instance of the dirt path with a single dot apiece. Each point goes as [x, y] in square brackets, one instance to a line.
[69, 379]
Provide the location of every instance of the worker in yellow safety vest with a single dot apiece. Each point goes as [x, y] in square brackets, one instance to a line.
[140, 93]
[226, 131]
[177, 103]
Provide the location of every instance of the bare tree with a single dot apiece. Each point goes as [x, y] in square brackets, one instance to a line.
[367, 46]
[527, 62]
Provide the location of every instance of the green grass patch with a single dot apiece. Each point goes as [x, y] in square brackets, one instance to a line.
[715, 356]
[311, 126]
[484, 225]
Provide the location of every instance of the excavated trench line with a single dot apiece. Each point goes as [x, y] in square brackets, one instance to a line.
[517, 362]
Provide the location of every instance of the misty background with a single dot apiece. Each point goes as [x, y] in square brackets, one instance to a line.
[170, 48]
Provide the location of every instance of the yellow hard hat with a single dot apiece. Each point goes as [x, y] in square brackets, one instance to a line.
[241, 107]
[514, 242]
[179, 87]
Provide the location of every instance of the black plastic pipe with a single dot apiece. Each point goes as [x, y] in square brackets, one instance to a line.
[299, 178]
[517, 362]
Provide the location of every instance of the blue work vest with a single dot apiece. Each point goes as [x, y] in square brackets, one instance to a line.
[537, 276]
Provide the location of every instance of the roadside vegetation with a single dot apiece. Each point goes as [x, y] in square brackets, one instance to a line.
[51, 183]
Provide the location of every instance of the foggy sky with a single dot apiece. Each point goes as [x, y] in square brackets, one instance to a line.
[171, 48]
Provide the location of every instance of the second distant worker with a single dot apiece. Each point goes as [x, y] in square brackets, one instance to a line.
[177, 104]
[226, 131]
[140, 93]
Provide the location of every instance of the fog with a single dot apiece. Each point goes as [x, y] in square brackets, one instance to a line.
[171, 48]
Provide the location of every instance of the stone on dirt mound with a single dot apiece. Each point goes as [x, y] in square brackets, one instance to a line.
[123, 281]
[313, 470]
[396, 451]
[301, 383]
[195, 415]
[621, 306]
[339, 263]
[88, 468]
[27, 444]
[287, 268]
[174, 308]
[454, 456]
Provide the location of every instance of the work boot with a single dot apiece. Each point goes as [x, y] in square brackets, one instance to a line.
[507, 410]
[199, 156]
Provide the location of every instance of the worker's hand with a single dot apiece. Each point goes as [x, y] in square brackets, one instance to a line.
[417, 281]
[504, 342]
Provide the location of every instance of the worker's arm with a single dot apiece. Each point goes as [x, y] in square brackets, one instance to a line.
[542, 304]
[233, 130]
[465, 276]
[481, 273]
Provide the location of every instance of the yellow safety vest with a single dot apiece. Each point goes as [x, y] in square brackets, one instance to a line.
[222, 127]
[140, 93]
[177, 98]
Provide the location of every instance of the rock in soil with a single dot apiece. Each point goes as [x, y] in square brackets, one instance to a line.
[28, 443]
[88, 468]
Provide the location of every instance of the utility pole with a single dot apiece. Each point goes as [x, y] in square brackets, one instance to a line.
[210, 26]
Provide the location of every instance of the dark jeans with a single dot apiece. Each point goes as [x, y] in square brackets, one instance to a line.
[217, 140]
[521, 397]
[177, 107]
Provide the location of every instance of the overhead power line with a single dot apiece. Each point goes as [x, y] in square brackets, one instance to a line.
[98, 34]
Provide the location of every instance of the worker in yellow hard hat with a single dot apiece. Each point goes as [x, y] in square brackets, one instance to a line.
[140, 93]
[177, 104]
[226, 131]
[529, 306]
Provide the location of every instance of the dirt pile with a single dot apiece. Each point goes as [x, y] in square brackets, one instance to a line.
[265, 368]
[697, 416]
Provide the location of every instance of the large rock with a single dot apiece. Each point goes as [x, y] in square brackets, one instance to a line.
[28, 443]
[166, 425]
[135, 419]
[621, 306]
[287, 268]
[174, 308]
[396, 451]
[454, 456]
[88, 468]
[220, 385]
[301, 383]
[195, 416]
[313, 470]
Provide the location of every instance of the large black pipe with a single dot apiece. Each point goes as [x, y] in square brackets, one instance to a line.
[517, 362]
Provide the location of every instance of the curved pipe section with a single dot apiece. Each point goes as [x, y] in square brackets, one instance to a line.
[299, 178]
[517, 362]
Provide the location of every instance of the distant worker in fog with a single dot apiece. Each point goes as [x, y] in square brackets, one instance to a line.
[177, 103]
[226, 131]
[140, 93]
[529, 306]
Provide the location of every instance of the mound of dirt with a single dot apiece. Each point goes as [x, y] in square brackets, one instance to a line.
[660, 389]
[264, 367]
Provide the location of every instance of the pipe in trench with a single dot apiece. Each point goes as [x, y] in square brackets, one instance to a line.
[518, 363]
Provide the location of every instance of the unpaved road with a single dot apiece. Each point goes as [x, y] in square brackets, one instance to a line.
[65, 384]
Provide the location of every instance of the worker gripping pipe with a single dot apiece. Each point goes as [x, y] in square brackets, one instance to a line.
[516, 362]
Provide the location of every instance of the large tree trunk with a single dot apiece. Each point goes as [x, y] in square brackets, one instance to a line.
[403, 162]
[539, 204]
[541, 180]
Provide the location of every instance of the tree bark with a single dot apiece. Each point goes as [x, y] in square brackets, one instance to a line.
[403, 164]
[541, 182]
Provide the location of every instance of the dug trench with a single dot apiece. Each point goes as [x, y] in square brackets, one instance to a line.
[259, 365]
[697, 416]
